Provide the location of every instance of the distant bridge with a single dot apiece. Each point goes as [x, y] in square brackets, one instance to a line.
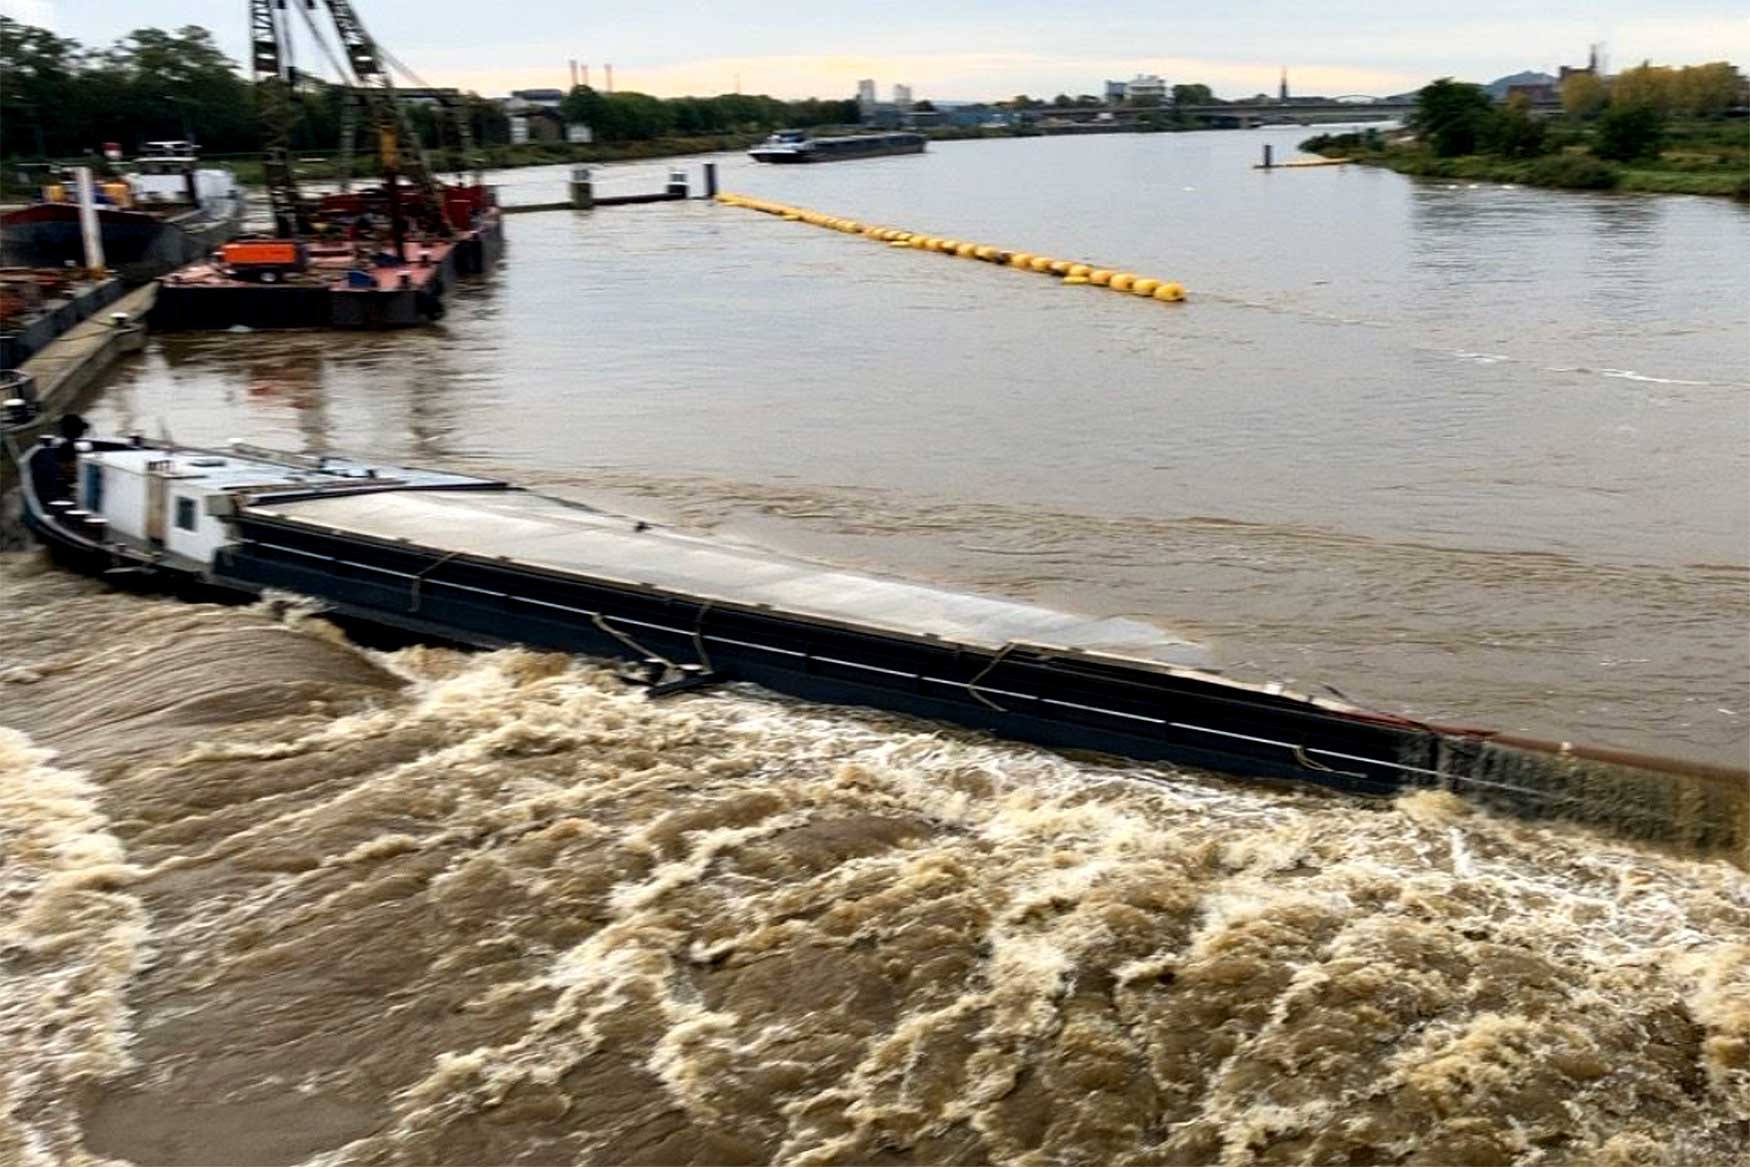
[1246, 114]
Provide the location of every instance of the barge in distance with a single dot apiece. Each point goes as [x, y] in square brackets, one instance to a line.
[788, 146]
[477, 561]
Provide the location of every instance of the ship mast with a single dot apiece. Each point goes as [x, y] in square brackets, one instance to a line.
[273, 97]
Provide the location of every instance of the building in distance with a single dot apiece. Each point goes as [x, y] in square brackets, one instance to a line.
[1143, 89]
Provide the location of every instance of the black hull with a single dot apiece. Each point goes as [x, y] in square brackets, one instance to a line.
[136, 245]
[1056, 702]
[789, 157]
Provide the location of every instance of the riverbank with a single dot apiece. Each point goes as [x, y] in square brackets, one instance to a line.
[1703, 159]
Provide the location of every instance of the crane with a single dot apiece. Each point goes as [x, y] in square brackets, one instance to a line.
[368, 83]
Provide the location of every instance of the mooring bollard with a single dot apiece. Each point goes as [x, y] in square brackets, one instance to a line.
[710, 180]
[677, 184]
[1267, 162]
[582, 189]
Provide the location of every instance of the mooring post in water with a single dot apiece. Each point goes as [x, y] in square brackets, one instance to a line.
[93, 238]
[582, 188]
[677, 184]
[1267, 162]
[710, 180]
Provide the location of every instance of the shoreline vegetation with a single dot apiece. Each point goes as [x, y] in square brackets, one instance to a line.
[1661, 131]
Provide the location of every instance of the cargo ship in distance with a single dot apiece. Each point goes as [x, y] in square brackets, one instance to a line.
[477, 561]
[790, 146]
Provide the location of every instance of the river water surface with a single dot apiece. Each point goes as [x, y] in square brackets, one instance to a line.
[270, 897]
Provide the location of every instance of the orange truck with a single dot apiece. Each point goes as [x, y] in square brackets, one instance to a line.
[265, 260]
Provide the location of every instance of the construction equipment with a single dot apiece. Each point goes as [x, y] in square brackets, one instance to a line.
[368, 85]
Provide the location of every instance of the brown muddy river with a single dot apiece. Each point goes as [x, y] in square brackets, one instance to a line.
[269, 897]
[1460, 451]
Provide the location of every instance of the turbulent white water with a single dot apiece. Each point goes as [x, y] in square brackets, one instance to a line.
[271, 898]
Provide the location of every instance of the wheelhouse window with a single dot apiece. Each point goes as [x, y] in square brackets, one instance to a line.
[185, 520]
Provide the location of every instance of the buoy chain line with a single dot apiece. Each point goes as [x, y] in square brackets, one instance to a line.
[1067, 271]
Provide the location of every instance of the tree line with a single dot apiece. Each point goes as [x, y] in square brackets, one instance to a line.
[1627, 113]
[635, 117]
[61, 99]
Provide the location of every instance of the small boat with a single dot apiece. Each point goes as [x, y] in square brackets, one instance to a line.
[164, 212]
[477, 561]
[787, 146]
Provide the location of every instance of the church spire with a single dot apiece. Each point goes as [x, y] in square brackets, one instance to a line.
[1282, 91]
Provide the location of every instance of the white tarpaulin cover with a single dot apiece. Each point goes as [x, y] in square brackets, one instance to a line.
[549, 533]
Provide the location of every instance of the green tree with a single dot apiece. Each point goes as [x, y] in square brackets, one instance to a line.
[41, 109]
[1628, 132]
[1646, 84]
[1583, 94]
[1192, 95]
[1708, 90]
[1512, 132]
[178, 84]
[1452, 116]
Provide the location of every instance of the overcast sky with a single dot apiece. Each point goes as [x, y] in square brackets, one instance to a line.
[973, 48]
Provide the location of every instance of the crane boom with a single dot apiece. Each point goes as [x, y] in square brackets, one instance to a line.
[369, 85]
[400, 145]
[273, 97]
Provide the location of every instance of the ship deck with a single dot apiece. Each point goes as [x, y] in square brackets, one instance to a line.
[552, 535]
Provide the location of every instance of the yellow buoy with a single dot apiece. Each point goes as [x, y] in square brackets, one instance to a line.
[1075, 279]
[1171, 292]
[1100, 277]
[1020, 259]
[1040, 263]
[791, 216]
[1145, 287]
[1122, 281]
[1060, 267]
[897, 243]
[965, 250]
[985, 251]
[1079, 269]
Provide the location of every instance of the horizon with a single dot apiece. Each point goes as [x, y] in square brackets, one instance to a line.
[1345, 49]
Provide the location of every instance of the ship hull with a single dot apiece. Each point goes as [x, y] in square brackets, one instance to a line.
[839, 149]
[137, 245]
[348, 550]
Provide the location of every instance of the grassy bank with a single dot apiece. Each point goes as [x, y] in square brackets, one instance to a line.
[1703, 158]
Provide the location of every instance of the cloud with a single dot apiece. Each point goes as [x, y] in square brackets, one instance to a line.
[976, 75]
[38, 12]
